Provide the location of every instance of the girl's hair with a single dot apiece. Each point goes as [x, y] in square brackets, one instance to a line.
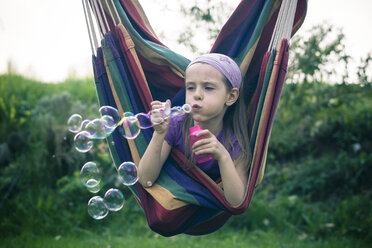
[234, 122]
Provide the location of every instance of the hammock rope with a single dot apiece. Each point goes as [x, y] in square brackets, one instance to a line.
[284, 23]
[132, 67]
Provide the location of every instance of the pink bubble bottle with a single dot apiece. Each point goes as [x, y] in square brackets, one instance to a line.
[193, 138]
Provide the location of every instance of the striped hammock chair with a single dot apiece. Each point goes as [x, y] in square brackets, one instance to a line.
[132, 67]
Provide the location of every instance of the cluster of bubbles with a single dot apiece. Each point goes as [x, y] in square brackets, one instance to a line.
[113, 200]
[99, 207]
[129, 125]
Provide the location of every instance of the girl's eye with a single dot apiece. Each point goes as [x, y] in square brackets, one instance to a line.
[189, 88]
[209, 88]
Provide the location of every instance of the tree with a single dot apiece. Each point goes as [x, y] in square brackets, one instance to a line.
[319, 56]
[206, 18]
[363, 78]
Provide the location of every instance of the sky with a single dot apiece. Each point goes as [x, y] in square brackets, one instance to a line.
[48, 40]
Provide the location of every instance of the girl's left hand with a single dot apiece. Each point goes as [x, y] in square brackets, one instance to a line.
[209, 145]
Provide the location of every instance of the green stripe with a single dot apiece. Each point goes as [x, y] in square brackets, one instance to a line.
[177, 190]
[265, 85]
[122, 93]
[116, 78]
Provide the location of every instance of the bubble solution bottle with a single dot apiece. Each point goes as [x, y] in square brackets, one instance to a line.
[193, 138]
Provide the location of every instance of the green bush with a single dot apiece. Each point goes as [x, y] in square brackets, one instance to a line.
[319, 158]
[353, 216]
[39, 180]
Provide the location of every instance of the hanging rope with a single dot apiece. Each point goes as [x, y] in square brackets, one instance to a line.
[284, 24]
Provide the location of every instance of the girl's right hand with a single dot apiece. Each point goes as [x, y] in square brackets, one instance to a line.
[160, 123]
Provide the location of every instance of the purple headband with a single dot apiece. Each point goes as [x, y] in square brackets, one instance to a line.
[223, 64]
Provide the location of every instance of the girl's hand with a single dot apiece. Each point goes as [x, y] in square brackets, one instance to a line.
[209, 145]
[160, 122]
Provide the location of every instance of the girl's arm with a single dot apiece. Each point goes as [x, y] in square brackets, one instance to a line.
[153, 159]
[156, 152]
[234, 177]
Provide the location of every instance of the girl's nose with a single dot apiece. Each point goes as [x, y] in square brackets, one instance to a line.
[198, 94]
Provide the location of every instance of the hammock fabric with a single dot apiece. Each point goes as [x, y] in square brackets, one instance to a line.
[132, 67]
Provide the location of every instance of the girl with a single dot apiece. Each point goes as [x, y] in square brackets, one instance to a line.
[212, 84]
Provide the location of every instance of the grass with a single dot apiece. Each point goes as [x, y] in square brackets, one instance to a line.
[256, 239]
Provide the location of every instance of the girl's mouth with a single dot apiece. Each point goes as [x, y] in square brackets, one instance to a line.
[196, 107]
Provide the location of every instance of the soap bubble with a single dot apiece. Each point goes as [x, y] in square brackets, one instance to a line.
[144, 120]
[166, 108]
[84, 124]
[98, 129]
[176, 111]
[186, 108]
[109, 123]
[114, 199]
[91, 183]
[110, 111]
[90, 175]
[128, 173]
[111, 116]
[74, 123]
[129, 126]
[91, 129]
[82, 142]
[97, 208]
[157, 116]
[128, 114]
[94, 189]
[180, 110]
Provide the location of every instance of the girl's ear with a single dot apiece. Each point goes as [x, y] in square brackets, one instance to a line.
[232, 97]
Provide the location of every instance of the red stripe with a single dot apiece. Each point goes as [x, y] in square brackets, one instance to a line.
[161, 76]
[163, 221]
[210, 225]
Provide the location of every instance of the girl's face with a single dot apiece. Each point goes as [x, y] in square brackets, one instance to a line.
[207, 94]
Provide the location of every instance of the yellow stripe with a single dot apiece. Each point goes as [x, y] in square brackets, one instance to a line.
[131, 47]
[132, 145]
[168, 200]
[165, 197]
[248, 58]
[115, 95]
[262, 168]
